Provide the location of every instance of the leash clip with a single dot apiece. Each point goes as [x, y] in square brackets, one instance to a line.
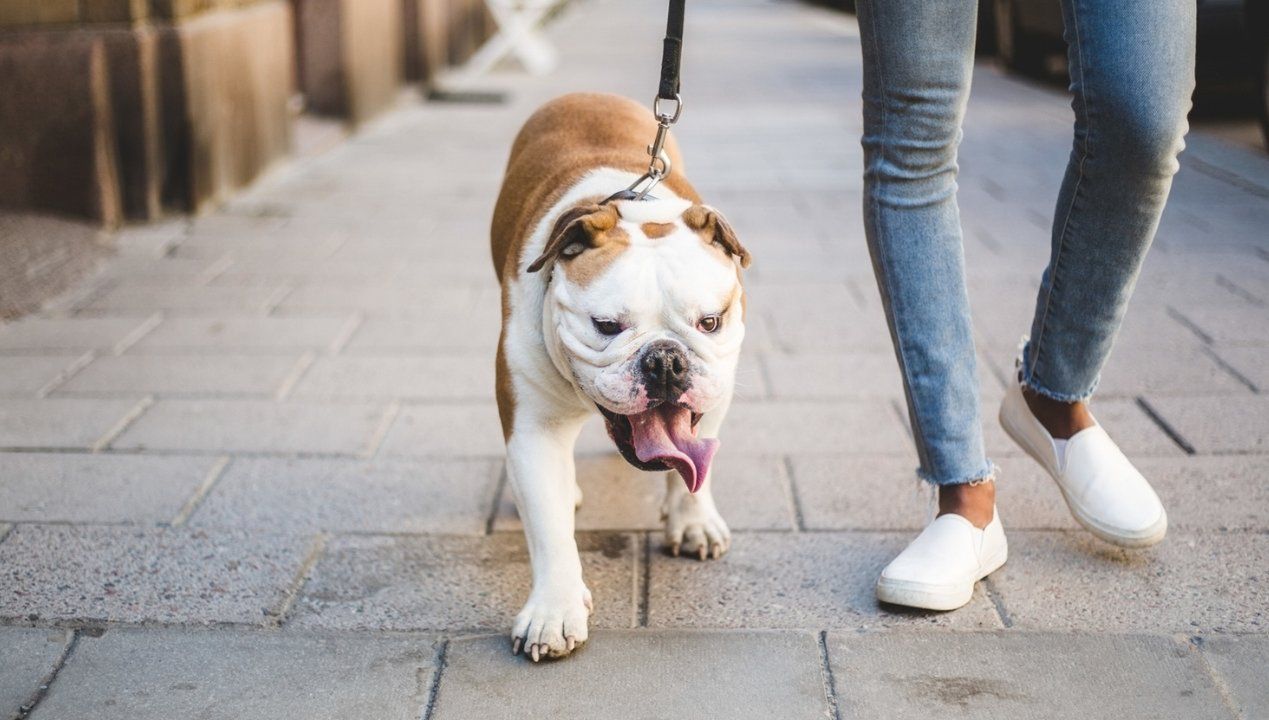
[659, 165]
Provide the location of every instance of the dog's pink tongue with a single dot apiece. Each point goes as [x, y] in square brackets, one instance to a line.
[665, 433]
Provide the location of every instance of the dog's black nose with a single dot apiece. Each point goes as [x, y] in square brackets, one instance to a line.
[664, 365]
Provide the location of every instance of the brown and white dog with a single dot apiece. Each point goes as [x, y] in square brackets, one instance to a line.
[634, 309]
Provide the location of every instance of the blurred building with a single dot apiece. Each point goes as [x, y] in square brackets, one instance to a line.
[117, 110]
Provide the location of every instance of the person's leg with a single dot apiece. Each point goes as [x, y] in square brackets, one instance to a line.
[918, 57]
[1132, 72]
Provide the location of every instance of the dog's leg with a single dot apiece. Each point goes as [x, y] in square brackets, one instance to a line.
[542, 477]
[692, 523]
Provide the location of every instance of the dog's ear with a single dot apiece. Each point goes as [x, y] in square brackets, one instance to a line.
[715, 229]
[577, 229]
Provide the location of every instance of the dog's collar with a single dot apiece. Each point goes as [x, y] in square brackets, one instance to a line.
[627, 194]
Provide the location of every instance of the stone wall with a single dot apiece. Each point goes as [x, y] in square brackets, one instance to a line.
[119, 110]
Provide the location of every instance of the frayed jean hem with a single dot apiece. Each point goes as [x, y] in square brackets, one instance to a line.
[986, 475]
[1026, 375]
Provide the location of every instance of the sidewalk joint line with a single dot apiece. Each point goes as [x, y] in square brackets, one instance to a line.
[216, 269]
[998, 602]
[1189, 325]
[1238, 290]
[213, 476]
[1167, 428]
[294, 376]
[1194, 643]
[66, 374]
[643, 607]
[499, 488]
[346, 332]
[434, 692]
[113, 433]
[826, 676]
[275, 299]
[137, 333]
[1231, 369]
[46, 682]
[315, 551]
[381, 431]
[791, 496]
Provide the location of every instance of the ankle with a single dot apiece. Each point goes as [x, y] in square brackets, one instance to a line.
[976, 503]
[1061, 419]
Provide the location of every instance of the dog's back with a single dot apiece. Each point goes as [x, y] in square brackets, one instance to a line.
[561, 142]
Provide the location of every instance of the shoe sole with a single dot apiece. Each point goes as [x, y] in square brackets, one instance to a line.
[1150, 536]
[913, 595]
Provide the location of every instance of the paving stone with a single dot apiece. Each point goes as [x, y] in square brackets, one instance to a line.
[1239, 661]
[94, 572]
[873, 375]
[1233, 324]
[454, 583]
[30, 655]
[1182, 372]
[59, 422]
[753, 675]
[229, 674]
[186, 300]
[436, 377]
[98, 488]
[809, 328]
[751, 494]
[254, 426]
[27, 375]
[438, 334]
[791, 427]
[45, 335]
[390, 496]
[844, 492]
[201, 374]
[446, 429]
[380, 299]
[238, 334]
[793, 580]
[1218, 424]
[1189, 583]
[1011, 675]
[1211, 493]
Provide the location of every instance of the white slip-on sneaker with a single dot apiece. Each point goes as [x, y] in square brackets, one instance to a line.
[1104, 492]
[938, 569]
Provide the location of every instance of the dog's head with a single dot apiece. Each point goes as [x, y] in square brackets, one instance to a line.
[644, 314]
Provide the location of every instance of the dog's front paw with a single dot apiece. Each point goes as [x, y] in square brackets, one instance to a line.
[552, 623]
[695, 528]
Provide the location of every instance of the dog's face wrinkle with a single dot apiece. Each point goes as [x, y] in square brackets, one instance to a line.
[659, 288]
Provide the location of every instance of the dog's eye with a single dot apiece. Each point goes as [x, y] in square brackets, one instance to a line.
[607, 327]
[709, 323]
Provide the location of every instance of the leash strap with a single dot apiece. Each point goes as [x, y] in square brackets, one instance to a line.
[667, 93]
[672, 51]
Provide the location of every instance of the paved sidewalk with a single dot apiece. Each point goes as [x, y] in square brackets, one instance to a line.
[253, 469]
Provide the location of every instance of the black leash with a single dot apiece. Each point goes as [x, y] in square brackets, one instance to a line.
[667, 92]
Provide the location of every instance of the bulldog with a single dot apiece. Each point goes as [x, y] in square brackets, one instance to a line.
[633, 309]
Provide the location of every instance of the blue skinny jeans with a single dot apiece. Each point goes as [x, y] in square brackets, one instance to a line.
[1132, 74]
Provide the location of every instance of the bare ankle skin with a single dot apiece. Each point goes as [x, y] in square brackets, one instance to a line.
[1061, 419]
[975, 503]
